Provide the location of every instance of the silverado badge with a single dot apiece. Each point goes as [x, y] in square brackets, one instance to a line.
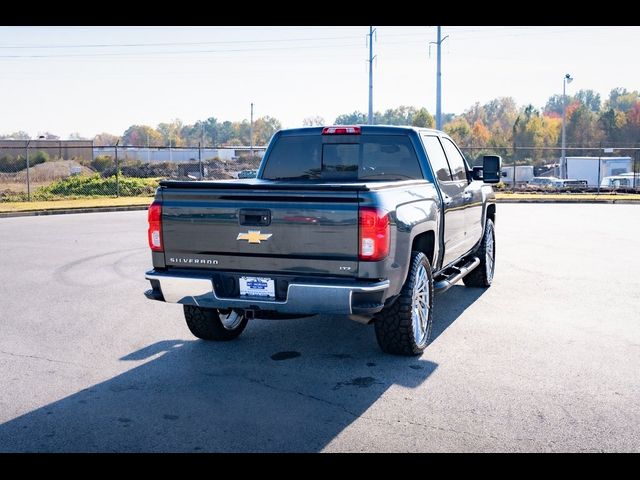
[254, 236]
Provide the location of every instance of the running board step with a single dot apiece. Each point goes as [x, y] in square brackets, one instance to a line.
[458, 274]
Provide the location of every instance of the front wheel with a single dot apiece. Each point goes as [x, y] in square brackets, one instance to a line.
[211, 324]
[404, 327]
[482, 275]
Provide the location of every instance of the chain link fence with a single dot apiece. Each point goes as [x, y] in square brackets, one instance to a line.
[39, 170]
[584, 169]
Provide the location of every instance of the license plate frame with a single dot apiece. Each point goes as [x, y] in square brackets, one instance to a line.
[262, 287]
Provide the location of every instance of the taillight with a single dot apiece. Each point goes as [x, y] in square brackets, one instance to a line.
[341, 131]
[154, 216]
[374, 234]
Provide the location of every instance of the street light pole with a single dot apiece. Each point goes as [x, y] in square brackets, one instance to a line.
[566, 79]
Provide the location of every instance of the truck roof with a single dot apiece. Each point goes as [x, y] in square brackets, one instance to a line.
[380, 129]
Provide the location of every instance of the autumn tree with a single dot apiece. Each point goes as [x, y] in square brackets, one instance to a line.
[105, 139]
[171, 133]
[141, 135]
[264, 128]
[459, 129]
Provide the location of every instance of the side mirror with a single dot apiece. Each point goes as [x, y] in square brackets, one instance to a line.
[491, 168]
[476, 173]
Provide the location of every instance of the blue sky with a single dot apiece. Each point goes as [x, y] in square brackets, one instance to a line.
[95, 79]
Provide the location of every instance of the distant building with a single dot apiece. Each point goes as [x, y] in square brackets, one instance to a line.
[66, 149]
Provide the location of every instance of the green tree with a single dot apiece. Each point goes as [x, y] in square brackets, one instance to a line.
[422, 118]
[313, 121]
[355, 118]
[402, 115]
[225, 133]
[621, 99]
[612, 123]
[589, 99]
[554, 105]
[19, 135]
[582, 127]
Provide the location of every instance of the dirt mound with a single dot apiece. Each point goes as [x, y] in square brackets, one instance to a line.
[50, 171]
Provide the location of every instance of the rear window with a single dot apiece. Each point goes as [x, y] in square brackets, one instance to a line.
[376, 157]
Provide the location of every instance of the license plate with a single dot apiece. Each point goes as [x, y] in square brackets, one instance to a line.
[257, 287]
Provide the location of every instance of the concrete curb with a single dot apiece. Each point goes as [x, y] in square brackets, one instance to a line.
[622, 201]
[128, 208]
[61, 211]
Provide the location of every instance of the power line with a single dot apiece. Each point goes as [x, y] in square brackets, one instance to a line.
[178, 52]
[166, 44]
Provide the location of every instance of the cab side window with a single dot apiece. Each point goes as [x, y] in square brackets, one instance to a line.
[456, 160]
[437, 158]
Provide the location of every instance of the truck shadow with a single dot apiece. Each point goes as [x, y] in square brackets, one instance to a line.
[282, 386]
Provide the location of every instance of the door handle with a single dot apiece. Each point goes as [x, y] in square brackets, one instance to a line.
[254, 217]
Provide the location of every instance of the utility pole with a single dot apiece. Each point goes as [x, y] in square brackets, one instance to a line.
[200, 161]
[371, 57]
[28, 179]
[117, 170]
[251, 132]
[439, 78]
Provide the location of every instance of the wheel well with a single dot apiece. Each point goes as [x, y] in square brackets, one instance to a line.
[425, 243]
[491, 212]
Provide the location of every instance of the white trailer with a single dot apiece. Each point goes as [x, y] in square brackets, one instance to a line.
[524, 173]
[594, 169]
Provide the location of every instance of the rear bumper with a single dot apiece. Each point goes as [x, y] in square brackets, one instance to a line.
[358, 297]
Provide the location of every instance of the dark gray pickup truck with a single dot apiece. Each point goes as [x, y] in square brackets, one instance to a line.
[365, 221]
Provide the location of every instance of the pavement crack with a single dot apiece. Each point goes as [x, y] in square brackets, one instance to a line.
[305, 395]
[38, 358]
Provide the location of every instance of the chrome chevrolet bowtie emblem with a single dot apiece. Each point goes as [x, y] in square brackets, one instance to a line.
[254, 236]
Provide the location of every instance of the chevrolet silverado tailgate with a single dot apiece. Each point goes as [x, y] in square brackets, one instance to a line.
[231, 226]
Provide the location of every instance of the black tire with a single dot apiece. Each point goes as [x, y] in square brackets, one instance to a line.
[205, 323]
[482, 275]
[397, 331]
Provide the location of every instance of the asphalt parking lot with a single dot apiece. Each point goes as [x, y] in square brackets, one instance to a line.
[547, 359]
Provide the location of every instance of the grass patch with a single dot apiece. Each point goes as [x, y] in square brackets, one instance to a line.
[76, 203]
[567, 196]
[83, 186]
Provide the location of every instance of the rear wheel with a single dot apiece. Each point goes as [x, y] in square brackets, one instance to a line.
[211, 324]
[404, 327]
[482, 275]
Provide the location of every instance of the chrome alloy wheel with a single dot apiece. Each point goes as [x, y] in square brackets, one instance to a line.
[420, 306]
[490, 252]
